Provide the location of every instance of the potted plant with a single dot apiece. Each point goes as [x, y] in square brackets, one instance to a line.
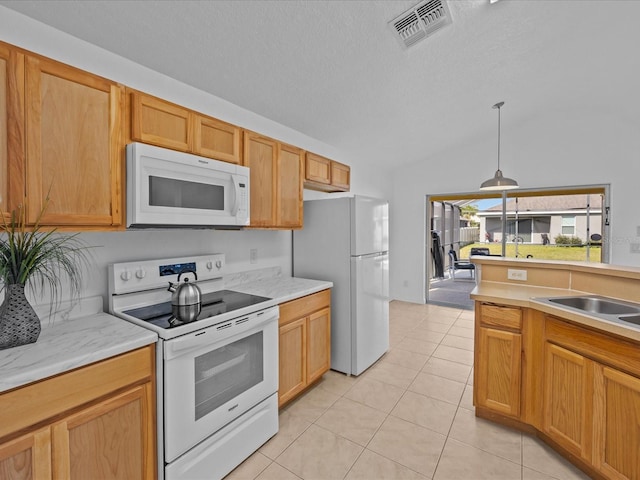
[31, 256]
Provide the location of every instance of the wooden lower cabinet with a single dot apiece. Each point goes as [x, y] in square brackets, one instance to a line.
[498, 359]
[304, 343]
[568, 399]
[587, 383]
[499, 371]
[96, 422]
[27, 457]
[616, 446]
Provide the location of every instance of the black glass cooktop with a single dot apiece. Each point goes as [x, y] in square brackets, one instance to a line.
[214, 303]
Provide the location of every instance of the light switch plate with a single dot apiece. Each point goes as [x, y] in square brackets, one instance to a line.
[253, 255]
[513, 274]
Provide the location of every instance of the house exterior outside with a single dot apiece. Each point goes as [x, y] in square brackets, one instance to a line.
[538, 220]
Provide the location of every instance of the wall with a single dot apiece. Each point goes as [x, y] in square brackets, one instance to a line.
[274, 247]
[551, 148]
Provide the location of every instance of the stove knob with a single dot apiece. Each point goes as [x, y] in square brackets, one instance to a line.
[218, 264]
[125, 275]
[140, 273]
[209, 265]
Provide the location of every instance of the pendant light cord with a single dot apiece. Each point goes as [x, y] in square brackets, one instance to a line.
[498, 105]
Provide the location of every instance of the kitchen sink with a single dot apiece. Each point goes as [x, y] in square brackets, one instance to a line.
[609, 309]
[635, 319]
[597, 305]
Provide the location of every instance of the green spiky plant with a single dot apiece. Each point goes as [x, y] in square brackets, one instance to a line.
[37, 258]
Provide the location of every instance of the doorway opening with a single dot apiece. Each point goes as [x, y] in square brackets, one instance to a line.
[548, 224]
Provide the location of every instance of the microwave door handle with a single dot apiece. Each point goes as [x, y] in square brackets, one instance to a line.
[236, 194]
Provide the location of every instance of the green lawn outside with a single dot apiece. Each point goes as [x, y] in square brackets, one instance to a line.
[541, 252]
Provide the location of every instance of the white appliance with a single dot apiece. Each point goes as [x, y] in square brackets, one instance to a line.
[170, 188]
[216, 376]
[346, 240]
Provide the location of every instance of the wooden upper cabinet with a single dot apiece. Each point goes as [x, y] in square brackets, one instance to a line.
[289, 196]
[326, 175]
[73, 145]
[317, 169]
[216, 139]
[161, 123]
[11, 128]
[260, 154]
[341, 176]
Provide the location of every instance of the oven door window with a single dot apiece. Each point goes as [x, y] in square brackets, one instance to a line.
[171, 192]
[225, 373]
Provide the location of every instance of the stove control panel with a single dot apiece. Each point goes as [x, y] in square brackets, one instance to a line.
[150, 274]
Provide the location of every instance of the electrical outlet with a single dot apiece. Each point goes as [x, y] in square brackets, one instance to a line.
[405, 283]
[513, 274]
[253, 255]
[634, 247]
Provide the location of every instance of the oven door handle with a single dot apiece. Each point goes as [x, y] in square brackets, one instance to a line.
[187, 343]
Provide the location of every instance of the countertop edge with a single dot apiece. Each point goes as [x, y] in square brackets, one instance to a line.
[525, 296]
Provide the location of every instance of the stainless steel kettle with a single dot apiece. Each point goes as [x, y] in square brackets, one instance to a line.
[186, 299]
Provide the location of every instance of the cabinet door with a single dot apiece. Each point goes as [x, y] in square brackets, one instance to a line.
[11, 128]
[27, 457]
[568, 393]
[260, 156]
[340, 176]
[289, 187]
[293, 360]
[317, 169]
[616, 424]
[498, 364]
[318, 344]
[108, 440]
[74, 151]
[216, 139]
[160, 123]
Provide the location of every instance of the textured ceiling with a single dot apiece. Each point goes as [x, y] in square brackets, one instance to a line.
[334, 71]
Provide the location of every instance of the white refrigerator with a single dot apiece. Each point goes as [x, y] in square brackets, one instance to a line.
[346, 241]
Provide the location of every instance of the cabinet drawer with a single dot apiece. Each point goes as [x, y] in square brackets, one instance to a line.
[499, 316]
[67, 391]
[302, 307]
[606, 349]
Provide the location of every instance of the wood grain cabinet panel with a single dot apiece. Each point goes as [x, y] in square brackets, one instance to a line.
[73, 132]
[568, 404]
[289, 196]
[276, 182]
[12, 169]
[104, 441]
[293, 360]
[341, 176]
[96, 421]
[318, 348]
[160, 123]
[305, 343]
[27, 457]
[616, 452]
[317, 169]
[260, 155]
[326, 175]
[498, 369]
[216, 139]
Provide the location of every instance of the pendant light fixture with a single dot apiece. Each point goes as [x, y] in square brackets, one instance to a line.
[498, 182]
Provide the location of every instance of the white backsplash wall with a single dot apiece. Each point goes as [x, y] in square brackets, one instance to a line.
[273, 250]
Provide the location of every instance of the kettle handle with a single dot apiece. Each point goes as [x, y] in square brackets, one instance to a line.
[188, 271]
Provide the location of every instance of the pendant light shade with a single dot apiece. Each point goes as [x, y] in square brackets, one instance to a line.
[499, 182]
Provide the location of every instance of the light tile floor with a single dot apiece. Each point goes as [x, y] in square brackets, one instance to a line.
[409, 416]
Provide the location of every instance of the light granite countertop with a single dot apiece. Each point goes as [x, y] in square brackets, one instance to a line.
[65, 344]
[83, 335]
[530, 295]
[282, 289]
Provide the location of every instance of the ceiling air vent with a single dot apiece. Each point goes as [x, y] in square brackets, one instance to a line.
[421, 21]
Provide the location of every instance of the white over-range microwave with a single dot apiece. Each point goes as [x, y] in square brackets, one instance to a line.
[170, 188]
